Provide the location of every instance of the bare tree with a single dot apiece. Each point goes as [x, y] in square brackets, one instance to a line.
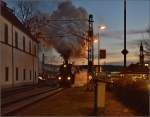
[25, 10]
[29, 13]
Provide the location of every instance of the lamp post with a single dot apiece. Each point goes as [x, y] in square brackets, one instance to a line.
[101, 28]
[125, 51]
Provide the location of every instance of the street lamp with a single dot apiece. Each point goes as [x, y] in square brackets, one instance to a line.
[101, 28]
[95, 39]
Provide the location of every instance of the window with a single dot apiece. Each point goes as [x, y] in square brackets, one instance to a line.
[29, 46]
[35, 74]
[35, 49]
[16, 39]
[24, 74]
[16, 73]
[6, 33]
[6, 73]
[24, 44]
[30, 74]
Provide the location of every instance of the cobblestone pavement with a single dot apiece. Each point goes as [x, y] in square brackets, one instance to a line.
[74, 101]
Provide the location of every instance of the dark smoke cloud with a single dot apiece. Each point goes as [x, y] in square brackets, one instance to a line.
[63, 34]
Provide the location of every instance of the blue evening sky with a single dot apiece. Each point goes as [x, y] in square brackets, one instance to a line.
[110, 13]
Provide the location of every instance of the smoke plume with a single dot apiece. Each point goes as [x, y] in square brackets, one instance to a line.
[66, 35]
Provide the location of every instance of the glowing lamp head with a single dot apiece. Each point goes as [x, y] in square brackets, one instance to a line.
[95, 41]
[102, 27]
[146, 64]
[69, 78]
[59, 78]
[64, 66]
[40, 78]
[90, 77]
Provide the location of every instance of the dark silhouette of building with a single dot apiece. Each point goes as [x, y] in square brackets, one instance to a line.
[141, 62]
[140, 69]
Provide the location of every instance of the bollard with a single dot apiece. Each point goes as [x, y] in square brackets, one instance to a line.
[95, 97]
[101, 88]
[99, 95]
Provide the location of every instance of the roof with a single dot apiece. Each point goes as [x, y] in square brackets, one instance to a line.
[8, 14]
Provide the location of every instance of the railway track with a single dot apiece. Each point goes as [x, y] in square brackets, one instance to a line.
[12, 106]
[7, 92]
[23, 95]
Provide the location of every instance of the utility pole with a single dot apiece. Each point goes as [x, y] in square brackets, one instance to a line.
[90, 62]
[125, 51]
[43, 63]
[90, 43]
[90, 49]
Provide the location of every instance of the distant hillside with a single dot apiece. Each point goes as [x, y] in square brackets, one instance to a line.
[112, 68]
[108, 68]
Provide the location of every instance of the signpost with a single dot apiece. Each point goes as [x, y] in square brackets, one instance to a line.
[102, 53]
[100, 87]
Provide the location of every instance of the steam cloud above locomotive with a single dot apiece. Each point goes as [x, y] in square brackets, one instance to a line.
[66, 36]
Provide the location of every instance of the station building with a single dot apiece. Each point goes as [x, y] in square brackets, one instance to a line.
[18, 51]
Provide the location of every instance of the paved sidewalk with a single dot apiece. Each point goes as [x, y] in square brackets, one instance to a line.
[115, 108]
[74, 101]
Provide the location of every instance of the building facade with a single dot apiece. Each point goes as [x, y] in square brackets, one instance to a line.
[18, 51]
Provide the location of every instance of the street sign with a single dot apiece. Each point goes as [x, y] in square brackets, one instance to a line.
[124, 51]
[102, 53]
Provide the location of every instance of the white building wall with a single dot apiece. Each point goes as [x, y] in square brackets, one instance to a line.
[6, 54]
[19, 58]
[0, 63]
[6, 62]
[1, 51]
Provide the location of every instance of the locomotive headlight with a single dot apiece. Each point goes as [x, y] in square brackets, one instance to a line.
[59, 78]
[40, 78]
[68, 78]
[90, 77]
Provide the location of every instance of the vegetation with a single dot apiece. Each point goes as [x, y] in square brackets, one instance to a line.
[134, 94]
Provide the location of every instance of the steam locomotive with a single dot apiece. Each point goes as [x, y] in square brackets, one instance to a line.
[66, 75]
